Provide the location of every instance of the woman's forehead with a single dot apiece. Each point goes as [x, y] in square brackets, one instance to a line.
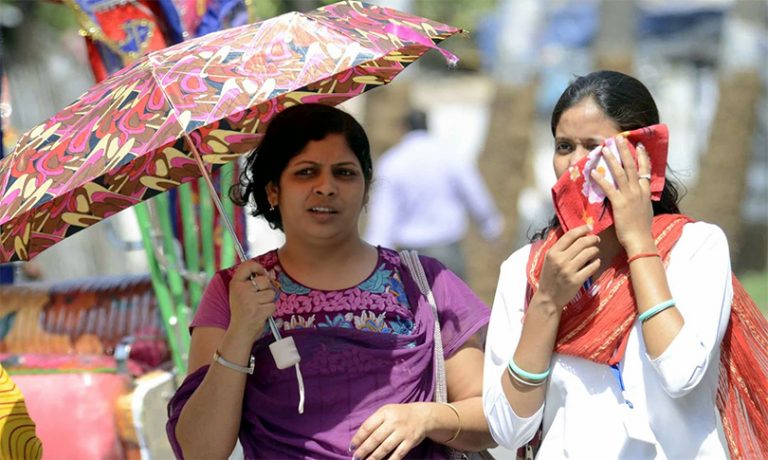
[585, 120]
[332, 149]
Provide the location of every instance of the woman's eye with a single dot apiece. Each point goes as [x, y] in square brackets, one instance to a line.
[346, 172]
[304, 172]
[562, 147]
[592, 147]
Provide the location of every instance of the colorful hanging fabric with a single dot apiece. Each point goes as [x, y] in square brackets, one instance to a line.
[182, 17]
[118, 31]
[222, 14]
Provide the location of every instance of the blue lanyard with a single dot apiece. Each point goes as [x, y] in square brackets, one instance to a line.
[616, 369]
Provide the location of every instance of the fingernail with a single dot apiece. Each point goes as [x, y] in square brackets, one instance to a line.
[609, 141]
[640, 146]
[352, 447]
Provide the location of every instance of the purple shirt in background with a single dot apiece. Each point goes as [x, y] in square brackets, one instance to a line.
[422, 194]
[348, 373]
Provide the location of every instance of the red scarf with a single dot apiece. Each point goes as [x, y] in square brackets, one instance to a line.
[600, 333]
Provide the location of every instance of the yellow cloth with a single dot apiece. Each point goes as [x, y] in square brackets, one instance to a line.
[17, 430]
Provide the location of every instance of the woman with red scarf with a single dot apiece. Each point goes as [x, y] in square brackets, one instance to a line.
[620, 332]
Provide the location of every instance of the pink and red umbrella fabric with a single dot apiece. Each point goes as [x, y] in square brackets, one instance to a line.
[126, 139]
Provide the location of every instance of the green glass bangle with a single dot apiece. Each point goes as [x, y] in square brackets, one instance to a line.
[655, 310]
[527, 375]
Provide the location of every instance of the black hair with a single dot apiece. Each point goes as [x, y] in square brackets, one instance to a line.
[629, 104]
[285, 137]
[416, 120]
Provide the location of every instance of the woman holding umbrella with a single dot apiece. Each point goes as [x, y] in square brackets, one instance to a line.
[619, 339]
[362, 328]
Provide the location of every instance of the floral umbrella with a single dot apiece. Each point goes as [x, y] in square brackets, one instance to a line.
[152, 126]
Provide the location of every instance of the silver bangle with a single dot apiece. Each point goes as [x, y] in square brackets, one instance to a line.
[242, 369]
[522, 381]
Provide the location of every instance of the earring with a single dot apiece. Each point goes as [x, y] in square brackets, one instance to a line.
[271, 207]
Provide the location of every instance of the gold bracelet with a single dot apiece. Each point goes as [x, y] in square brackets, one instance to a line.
[455, 411]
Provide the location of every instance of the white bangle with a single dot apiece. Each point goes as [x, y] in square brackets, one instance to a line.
[242, 369]
[522, 381]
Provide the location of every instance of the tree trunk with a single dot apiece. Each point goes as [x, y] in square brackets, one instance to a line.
[722, 180]
[504, 166]
[385, 110]
[616, 36]
[721, 186]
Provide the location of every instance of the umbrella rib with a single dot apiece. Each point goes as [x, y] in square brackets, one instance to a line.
[167, 98]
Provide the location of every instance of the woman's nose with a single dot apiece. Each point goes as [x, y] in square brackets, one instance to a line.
[577, 155]
[325, 185]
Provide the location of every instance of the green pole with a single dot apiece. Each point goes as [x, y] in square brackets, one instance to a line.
[162, 292]
[191, 242]
[206, 229]
[226, 179]
[175, 280]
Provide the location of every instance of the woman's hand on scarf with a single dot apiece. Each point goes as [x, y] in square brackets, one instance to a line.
[567, 265]
[392, 431]
[630, 198]
[251, 301]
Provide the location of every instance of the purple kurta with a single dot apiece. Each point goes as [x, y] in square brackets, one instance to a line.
[348, 373]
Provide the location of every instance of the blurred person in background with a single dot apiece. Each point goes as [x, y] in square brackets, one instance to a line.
[364, 332]
[619, 344]
[422, 197]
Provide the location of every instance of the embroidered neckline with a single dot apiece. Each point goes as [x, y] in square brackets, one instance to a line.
[296, 287]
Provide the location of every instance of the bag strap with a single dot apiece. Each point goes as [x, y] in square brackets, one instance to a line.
[412, 261]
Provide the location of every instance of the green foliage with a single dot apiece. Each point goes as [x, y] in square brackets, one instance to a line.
[459, 13]
[756, 283]
[266, 8]
[41, 21]
[56, 15]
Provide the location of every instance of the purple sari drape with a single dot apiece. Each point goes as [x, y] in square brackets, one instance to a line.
[348, 375]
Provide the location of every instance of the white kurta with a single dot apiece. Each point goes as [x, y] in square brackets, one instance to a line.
[673, 395]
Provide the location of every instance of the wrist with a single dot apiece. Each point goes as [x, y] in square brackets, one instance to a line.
[443, 424]
[236, 344]
[431, 423]
[644, 246]
[545, 304]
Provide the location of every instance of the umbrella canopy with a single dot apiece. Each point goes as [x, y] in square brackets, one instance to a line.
[127, 138]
